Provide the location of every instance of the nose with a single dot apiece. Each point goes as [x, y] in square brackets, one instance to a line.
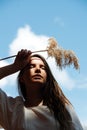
[37, 70]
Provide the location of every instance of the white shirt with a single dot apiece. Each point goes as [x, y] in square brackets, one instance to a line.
[15, 116]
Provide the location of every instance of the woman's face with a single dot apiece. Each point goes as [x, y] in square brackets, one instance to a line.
[36, 72]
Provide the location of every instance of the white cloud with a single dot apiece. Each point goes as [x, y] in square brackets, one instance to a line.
[84, 124]
[3, 63]
[3, 82]
[27, 39]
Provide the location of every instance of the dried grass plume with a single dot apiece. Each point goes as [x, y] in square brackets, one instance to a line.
[62, 57]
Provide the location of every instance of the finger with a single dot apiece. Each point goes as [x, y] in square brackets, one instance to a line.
[24, 53]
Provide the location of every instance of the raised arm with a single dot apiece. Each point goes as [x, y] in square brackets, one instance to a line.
[20, 61]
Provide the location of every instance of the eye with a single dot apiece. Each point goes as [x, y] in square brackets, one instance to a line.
[43, 67]
[31, 66]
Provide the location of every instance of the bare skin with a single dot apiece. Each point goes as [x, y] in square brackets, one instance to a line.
[34, 77]
[20, 61]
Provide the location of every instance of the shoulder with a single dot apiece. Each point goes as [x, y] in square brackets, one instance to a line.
[75, 120]
[10, 101]
[71, 111]
[10, 109]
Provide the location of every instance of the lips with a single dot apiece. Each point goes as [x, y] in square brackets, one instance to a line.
[37, 76]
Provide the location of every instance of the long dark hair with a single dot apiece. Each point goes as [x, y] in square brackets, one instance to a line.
[53, 97]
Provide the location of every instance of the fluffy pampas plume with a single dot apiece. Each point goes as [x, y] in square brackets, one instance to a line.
[62, 57]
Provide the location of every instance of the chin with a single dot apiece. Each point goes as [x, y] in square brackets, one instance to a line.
[38, 82]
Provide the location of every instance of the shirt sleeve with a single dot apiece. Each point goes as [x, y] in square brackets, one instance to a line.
[3, 109]
[75, 120]
[9, 109]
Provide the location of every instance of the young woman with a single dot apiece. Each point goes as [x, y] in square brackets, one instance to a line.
[41, 104]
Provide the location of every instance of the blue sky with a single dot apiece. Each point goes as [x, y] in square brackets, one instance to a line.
[29, 23]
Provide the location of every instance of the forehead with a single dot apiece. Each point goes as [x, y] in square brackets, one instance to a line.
[36, 60]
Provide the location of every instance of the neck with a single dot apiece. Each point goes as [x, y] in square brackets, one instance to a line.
[30, 103]
[34, 96]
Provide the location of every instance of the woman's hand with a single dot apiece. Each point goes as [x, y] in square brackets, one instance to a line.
[22, 58]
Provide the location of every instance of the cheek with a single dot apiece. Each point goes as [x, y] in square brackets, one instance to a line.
[31, 72]
[45, 76]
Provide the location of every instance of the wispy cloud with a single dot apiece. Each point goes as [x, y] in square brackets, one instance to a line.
[59, 21]
[27, 39]
[82, 83]
[85, 125]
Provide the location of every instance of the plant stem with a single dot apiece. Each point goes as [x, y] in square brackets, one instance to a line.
[16, 55]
